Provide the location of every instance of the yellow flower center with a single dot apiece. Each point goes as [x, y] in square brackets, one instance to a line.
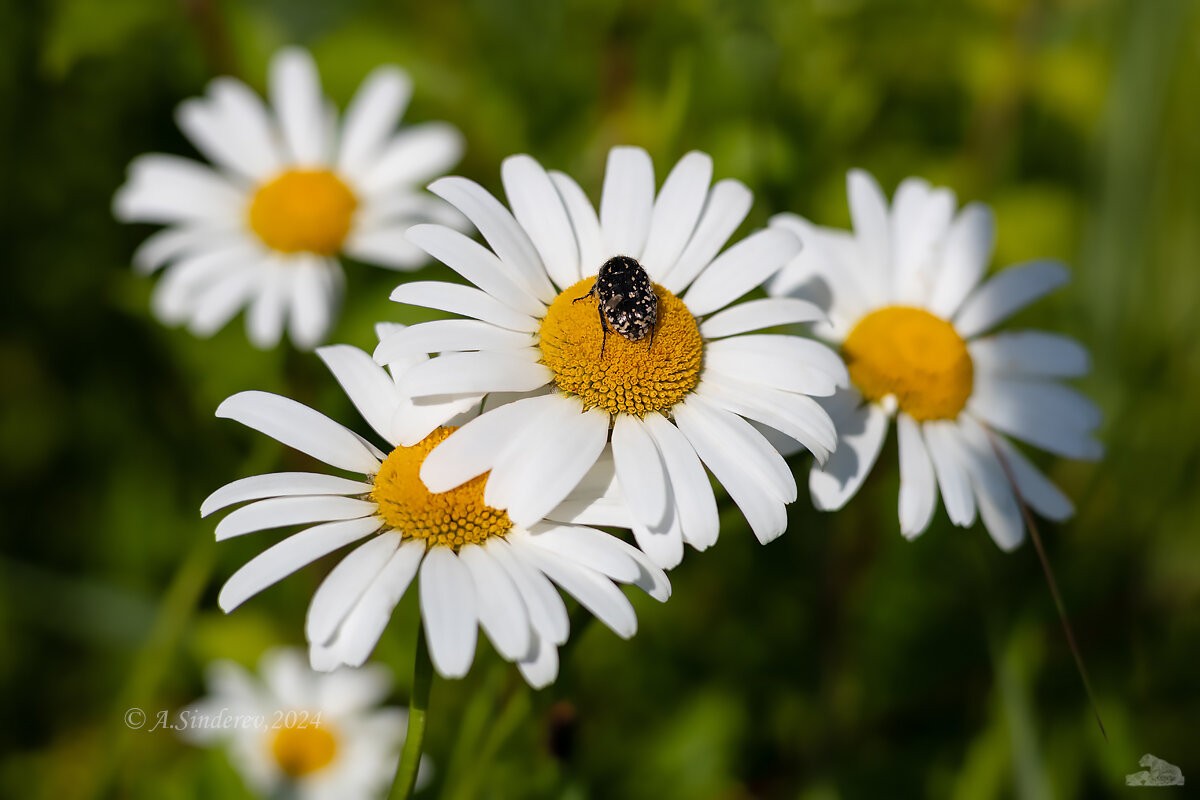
[301, 750]
[634, 377]
[910, 353]
[451, 519]
[303, 210]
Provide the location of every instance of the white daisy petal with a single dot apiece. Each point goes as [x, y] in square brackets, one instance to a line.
[447, 335]
[244, 116]
[266, 314]
[450, 609]
[589, 547]
[918, 226]
[502, 612]
[218, 303]
[204, 123]
[744, 442]
[798, 416]
[174, 243]
[476, 372]
[869, 212]
[185, 282]
[472, 449]
[918, 485]
[676, 212]
[294, 552]
[724, 209]
[694, 500]
[413, 156]
[1006, 293]
[278, 512]
[167, 189]
[280, 484]
[368, 386]
[998, 506]
[584, 222]
[790, 363]
[547, 612]
[385, 246]
[741, 268]
[596, 500]
[300, 428]
[295, 90]
[1032, 353]
[946, 452]
[819, 273]
[555, 455]
[594, 592]
[627, 200]
[314, 284]
[763, 509]
[1036, 489]
[506, 238]
[1049, 415]
[861, 429]
[345, 584]
[475, 263]
[965, 255]
[640, 471]
[539, 209]
[757, 314]
[465, 300]
[541, 668]
[371, 117]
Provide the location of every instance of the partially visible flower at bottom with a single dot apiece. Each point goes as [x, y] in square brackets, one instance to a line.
[477, 568]
[298, 733]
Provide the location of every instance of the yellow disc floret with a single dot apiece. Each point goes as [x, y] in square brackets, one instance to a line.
[303, 211]
[301, 750]
[451, 519]
[633, 377]
[913, 355]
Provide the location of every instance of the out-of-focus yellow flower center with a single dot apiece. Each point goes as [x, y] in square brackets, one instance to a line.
[451, 519]
[910, 353]
[302, 749]
[303, 210]
[634, 377]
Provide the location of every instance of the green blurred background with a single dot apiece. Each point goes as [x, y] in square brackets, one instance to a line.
[839, 661]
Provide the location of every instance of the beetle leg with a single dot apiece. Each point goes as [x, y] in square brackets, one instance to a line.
[604, 328]
[591, 292]
[651, 347]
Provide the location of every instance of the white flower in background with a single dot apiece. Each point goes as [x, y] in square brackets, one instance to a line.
[690, 392]
[913, 321]
[476, 566]
[292, 732]
[290, 188]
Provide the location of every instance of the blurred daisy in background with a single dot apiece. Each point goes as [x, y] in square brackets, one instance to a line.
[688, 394]
[476, 566]
[290, 189]
[914, 322]
[293, 732]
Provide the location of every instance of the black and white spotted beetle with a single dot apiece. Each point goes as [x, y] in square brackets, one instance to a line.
[625, 299]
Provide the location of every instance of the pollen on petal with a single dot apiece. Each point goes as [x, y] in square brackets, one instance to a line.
[914, 356]
[616, 374]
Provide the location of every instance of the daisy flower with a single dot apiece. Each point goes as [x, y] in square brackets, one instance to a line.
[666, 372]
[476, 566]
[290, 188]
[914, 322]
[299, 733]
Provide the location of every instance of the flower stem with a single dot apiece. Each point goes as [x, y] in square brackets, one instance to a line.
[410, 756]
[1031, 524]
